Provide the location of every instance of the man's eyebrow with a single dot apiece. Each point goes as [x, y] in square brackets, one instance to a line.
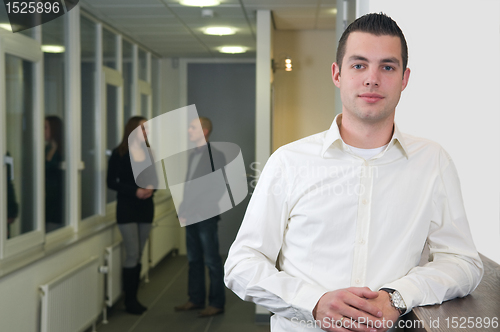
[390, 60]
[357, 58]
[385, 60]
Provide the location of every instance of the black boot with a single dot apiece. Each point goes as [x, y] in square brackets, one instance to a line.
[138, 280]
[130, 286]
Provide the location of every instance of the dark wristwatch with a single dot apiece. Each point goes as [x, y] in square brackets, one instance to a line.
[396, 300]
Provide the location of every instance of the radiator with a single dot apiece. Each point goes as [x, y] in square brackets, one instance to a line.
[72, 302]
[164, 237]
[113, 275]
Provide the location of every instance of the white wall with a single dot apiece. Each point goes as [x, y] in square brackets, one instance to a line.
[452, 96]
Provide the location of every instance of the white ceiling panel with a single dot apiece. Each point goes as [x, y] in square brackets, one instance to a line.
[122, 2]
[135, 10]
[170, 29]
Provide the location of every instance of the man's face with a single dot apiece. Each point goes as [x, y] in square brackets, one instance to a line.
[372, 76]
[195, 131]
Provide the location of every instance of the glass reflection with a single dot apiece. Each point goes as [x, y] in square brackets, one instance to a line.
[109, 48]
[112, 129]
[127, 80]
[53, 173]
[143, 65]
[20, 146]
[54, 81]
[89, 180]
[144, 105]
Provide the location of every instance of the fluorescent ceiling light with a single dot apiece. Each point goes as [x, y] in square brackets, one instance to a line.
[6, 26]
[53, 49]
[200, 3]
[219, 31]
[233, 49]
[334, 11]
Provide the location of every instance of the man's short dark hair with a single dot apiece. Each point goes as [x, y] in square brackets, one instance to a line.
[378, 25]
[206, 124]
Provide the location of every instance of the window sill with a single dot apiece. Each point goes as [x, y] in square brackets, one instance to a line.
[59, 243]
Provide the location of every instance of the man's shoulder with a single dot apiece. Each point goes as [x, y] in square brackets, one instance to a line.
[309, 144]
[416, 145]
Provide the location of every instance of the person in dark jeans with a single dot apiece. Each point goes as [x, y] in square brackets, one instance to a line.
[202, 239]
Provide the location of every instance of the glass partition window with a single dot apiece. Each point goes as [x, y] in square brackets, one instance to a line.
[89, 175]
[54, 133]
[127, 80]
[144, 106]
[143, 65]
[20, 146]
[112, 130]
[109, 49]
[155, 73]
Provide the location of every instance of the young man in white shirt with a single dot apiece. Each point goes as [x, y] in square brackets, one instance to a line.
[336, 226]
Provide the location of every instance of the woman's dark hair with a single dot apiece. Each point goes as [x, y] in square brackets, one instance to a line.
[56, 131]
[378, 25]
[132, 123]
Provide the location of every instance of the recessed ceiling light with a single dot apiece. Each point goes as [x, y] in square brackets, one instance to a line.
[200, 3]
[6, 26]
[53, 49]
[219, 31]
[334, 11]
[233, 49]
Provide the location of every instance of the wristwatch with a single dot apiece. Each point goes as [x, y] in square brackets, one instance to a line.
[396, 300]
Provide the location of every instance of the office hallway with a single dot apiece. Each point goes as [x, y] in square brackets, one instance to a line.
[167, 287]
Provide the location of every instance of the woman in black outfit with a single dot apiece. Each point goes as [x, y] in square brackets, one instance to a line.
[53, 173]
[134, 212]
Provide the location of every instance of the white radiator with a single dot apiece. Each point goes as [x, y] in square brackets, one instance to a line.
[113, 276]
[164, 237]
[71, 302]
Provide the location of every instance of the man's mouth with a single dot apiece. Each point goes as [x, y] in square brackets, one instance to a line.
[371, 97]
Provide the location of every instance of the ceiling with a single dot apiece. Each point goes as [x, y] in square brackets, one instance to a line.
[172, 30]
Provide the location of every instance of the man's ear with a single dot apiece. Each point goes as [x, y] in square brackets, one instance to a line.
[336, 74]
[205, 132]
[406, 78]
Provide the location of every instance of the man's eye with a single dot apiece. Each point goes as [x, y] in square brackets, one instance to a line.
[388, 68]
[357, 66]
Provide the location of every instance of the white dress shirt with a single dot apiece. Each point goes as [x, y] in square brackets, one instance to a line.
[321, 219]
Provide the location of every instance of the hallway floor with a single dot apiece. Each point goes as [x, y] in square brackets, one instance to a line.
[167, 287]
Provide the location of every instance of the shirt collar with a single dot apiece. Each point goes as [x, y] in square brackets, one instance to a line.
[334, 139]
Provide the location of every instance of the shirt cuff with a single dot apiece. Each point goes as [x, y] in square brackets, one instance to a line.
[306, 300]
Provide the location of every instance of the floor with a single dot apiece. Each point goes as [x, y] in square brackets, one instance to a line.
[167, 287]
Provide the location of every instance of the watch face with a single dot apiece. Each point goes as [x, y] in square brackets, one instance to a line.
[398, 301]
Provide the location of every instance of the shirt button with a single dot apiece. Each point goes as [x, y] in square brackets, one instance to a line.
[357, 281]
[361, 241]
[365, 202]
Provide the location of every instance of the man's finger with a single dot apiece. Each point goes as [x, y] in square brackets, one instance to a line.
[363, 292]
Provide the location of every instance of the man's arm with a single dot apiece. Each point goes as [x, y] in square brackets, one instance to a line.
[250, 269]
[251, 272]
[455, 269]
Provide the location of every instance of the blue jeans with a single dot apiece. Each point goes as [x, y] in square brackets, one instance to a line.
[202, 243]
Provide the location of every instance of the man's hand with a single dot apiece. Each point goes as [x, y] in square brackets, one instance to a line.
[356, 303]
[383, 301]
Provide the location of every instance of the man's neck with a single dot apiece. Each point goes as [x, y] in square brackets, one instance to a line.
[366, 135]
[201, 143]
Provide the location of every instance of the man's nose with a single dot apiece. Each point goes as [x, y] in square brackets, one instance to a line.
[372, 78]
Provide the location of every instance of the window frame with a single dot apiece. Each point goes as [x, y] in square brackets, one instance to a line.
[28, 49]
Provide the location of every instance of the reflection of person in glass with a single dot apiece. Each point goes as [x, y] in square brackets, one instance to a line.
[12, 206]
[202, 240]
[53, 173]
[134, 210]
